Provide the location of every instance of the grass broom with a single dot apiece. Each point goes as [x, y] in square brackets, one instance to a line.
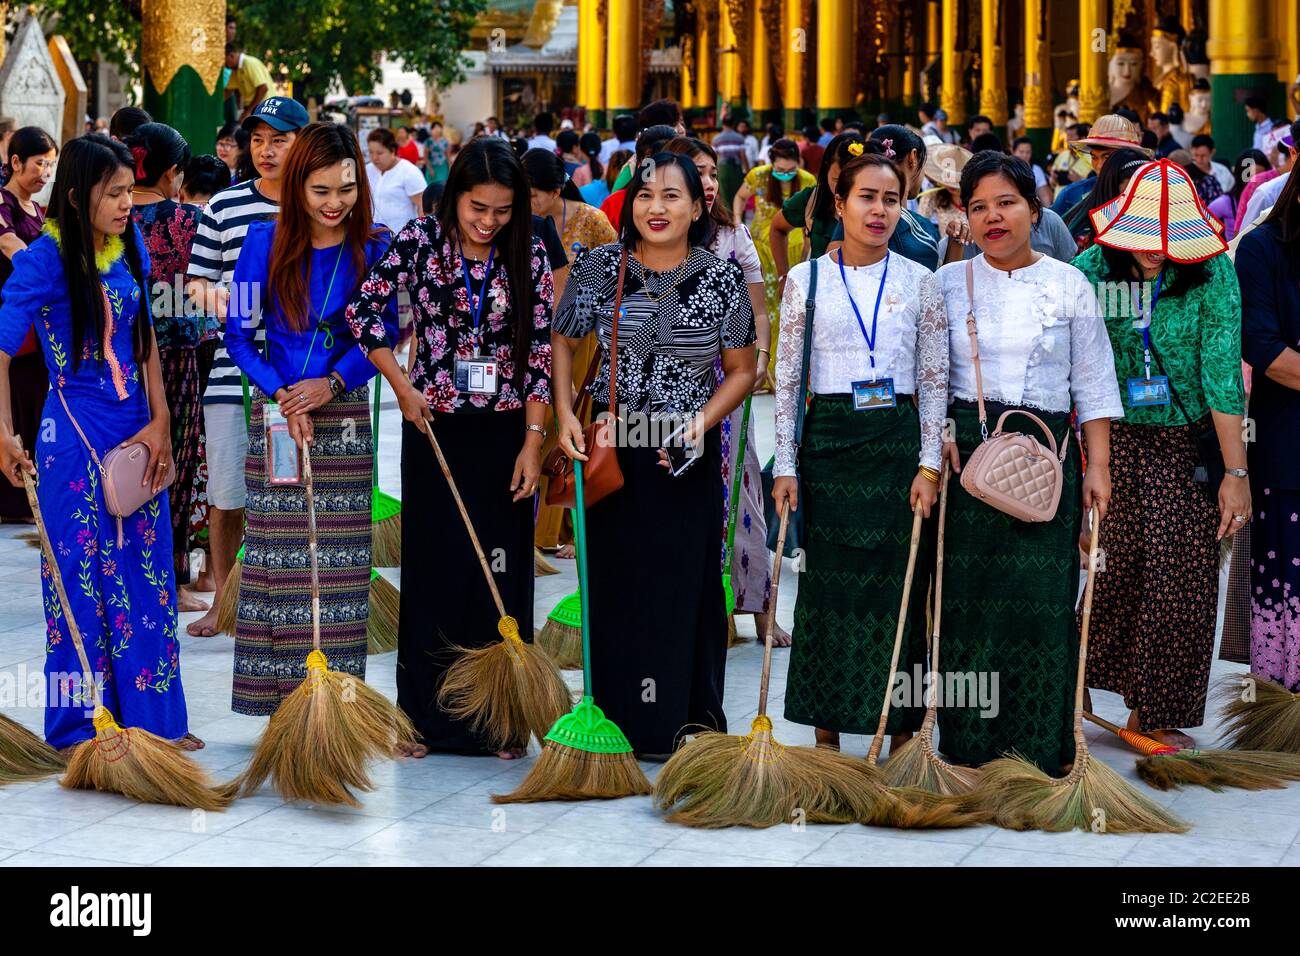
[561, 635]
[320, 739]
[1091, 796]
[737, 475]
[126, 760]
[228, 599]
[1261, 715]
[25, 756]
[509, 690]
[385, 510]
[585, 756]
[719, 780]
[1166, 767]
[542, 567]
[917, 763]
[385, 609]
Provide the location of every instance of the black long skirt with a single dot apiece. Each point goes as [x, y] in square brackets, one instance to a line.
[445, 600]
[658, 614]
[28, 385]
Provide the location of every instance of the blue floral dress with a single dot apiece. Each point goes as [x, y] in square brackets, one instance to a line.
[122, 593]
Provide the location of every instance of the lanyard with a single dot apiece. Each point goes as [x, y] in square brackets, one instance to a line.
[476, 310]
[875, 314]
[320, 315]
[1146, 316]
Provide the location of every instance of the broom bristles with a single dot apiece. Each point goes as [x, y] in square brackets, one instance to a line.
[562, 643]
[318, 744]
[566, 773]
[228, 600]
[918, 766]
[386, 542]
[1269, 722]
[141, 766]
[385, 610]
[542, 567]
[1217, 769]
[25, 756]
[509, 691]
[733, 636]
[1092, 796]
[909, 808]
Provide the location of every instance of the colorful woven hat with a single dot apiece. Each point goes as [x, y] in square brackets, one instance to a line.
[1159, 211]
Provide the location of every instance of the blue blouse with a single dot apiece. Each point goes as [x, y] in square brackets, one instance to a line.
[37, 293]
[327, 345]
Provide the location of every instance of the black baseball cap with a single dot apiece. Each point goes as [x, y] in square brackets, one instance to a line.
[278, 112]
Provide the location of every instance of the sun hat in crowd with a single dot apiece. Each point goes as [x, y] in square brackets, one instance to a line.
[1112, 131]
[1159, 211]
[944, 163]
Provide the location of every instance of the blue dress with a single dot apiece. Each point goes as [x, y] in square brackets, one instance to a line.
[123, 597]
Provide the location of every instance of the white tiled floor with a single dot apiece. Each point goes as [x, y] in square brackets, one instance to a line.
[438, 811]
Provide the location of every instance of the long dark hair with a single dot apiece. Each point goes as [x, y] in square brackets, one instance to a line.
[701, 230]
[156, 148]
[288, 285]
[90, 161]
[1180, 277]
[591, 145]
[488, 159]
[546, 172]
[902, 142]
[1285, 218]
[837, 152]
[720, 213]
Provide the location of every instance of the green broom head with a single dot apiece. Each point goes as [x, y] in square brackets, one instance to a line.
[385, 609]
[383, 506]
[584, 757]
[24, 756]
[1092, 797]
[1260, 715]
[1217, 769]
[729, 593]
[386, 529]
[561, 635]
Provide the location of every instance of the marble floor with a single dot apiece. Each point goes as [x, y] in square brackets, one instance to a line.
[437, 811]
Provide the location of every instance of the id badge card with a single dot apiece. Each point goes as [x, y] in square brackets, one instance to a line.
[871, 395]
[477, 375]
[282, 463]
[1146, 392]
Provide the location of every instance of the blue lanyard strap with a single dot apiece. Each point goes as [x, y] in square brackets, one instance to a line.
[476, 308]
[1147, 315]
[875, 314]
[320, 315]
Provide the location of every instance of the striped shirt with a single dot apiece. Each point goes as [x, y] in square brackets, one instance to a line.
[216, 247]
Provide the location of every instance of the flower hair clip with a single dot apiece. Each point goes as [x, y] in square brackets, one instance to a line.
[139, 153]
[889, 147]
[855, 149]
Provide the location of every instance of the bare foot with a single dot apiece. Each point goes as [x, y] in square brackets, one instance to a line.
[513, 754]
[186, 602]
[407, 749]
[566, 551]
[780, 636]
[1173, 738]
[205, 583]
[828, 738]
[190, 742]
[206, 626]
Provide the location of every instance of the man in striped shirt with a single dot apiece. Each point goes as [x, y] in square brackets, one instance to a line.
[272, 127]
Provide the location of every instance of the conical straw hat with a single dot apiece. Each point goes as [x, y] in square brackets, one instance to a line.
[1160, 211]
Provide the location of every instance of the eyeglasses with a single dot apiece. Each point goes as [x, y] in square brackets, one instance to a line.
[44, 165]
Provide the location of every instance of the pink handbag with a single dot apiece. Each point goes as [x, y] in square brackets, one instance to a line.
[122, 470]
[1010, 471]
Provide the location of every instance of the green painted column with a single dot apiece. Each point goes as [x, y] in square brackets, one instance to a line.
[1243, 62]
[188, 106]
[182, 46]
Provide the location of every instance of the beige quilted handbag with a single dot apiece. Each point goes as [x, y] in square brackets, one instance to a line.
[1010, 471]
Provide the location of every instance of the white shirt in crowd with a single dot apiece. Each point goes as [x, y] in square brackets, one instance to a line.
[392, 192]
[1043, 343]
[1265, 197]
[1224, 175]
[612, 145]
[542, 141]
[911, 344]
[1260, 138]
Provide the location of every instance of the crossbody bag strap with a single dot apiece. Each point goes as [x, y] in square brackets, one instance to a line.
[613, 336]
[975, 346]
[809, 309]
[84, 439]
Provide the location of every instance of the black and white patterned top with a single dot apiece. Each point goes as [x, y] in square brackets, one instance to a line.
[670, 333]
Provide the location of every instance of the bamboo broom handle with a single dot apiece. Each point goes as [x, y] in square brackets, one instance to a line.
[1080, 742]
[933, 702]
[1138, 741]
[53, 565]
[455, 493]
[771, 610]
[311, 546]
[737, 476]
[878, 741]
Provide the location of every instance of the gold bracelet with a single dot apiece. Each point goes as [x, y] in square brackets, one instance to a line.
[929, 473]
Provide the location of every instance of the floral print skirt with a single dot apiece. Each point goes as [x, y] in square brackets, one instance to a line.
[1275, 587]
[122, 593]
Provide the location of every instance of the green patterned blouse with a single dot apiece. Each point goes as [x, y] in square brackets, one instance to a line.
[1197, 337]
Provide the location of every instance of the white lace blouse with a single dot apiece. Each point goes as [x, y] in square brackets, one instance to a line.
[911, 345]
[1043, 343]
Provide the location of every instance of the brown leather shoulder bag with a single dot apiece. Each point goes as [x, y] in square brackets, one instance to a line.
[601, 473]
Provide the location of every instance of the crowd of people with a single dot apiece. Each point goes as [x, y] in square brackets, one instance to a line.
[900, 289]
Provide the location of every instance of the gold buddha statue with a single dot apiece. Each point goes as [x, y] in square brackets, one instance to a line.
[1170, 78]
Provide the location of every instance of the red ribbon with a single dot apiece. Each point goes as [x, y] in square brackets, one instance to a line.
[139, 152]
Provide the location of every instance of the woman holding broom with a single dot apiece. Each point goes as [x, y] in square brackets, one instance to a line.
[82, 285]
[480, 291]
[870, 455]
[751, 580]
[658, 618]
[1178, 325]
[1009, 599]
[294, 277]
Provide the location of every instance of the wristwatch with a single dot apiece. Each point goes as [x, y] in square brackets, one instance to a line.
[1236, 472]
[536, 428]
[336, 384]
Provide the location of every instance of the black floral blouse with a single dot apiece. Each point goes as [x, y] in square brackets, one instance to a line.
[424, 262]
[673, 327]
